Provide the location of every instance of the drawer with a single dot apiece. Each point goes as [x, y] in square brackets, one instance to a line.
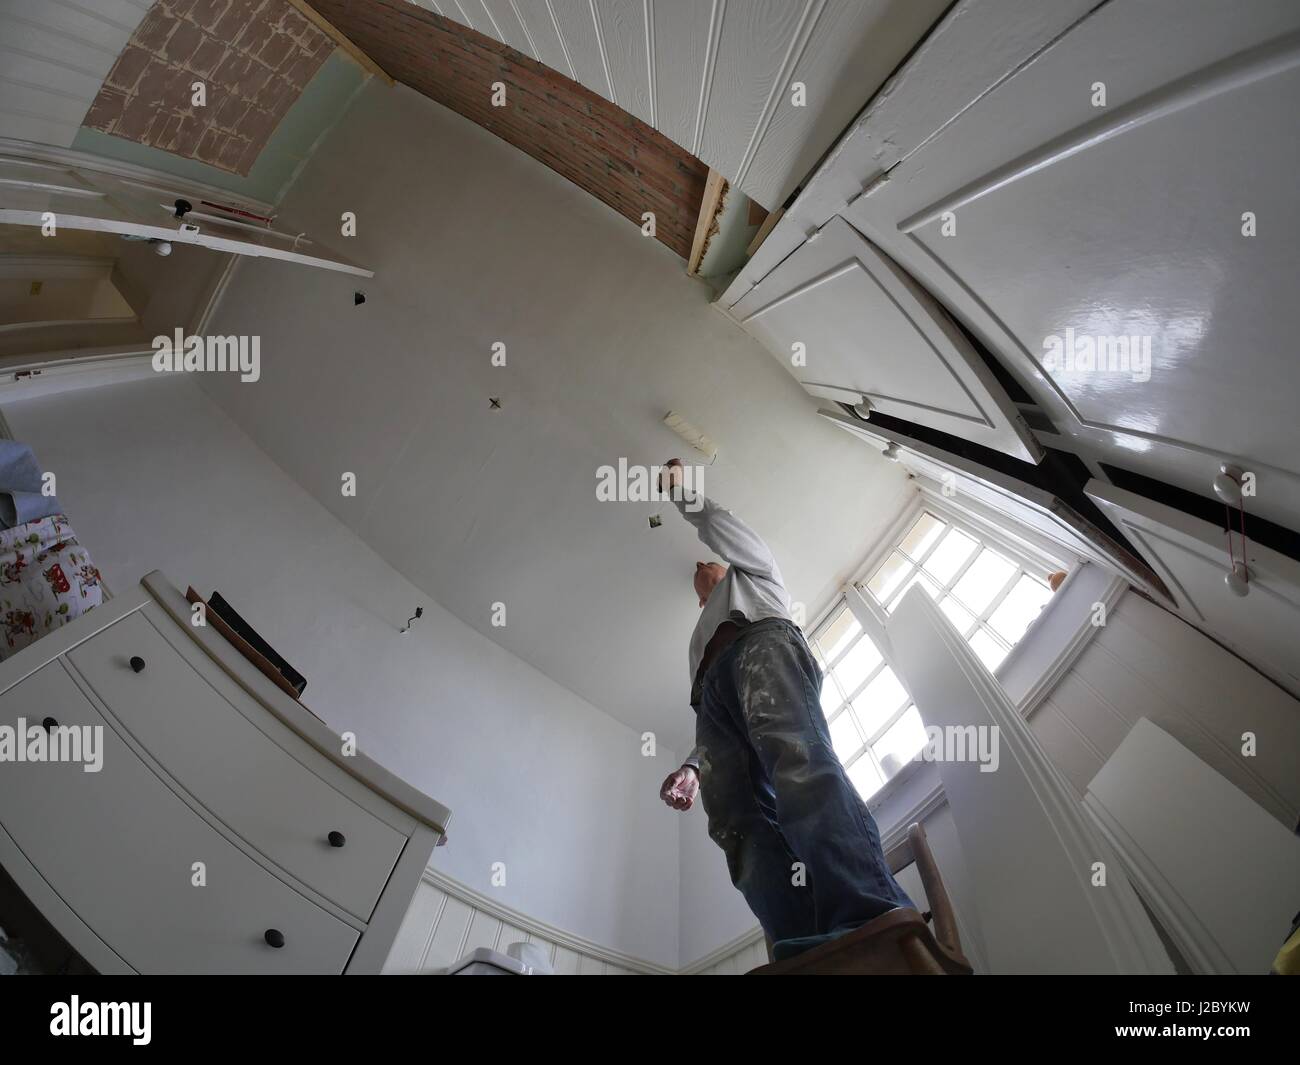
[266, 796]
[119, 846]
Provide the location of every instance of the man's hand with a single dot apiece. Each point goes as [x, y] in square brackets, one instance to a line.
[671, 476]
[680, 788]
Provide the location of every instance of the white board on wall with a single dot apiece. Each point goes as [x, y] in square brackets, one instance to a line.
[1220, 873]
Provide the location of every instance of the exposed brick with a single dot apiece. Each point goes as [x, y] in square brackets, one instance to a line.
[181, 44]
[165, 135]
[255, 35]
[207, 13]
[230, 113]
[153, 85]
[128, 68]
[106, 109]
[188, 134]
[255, 83]
[232, 152]
[206, 56]
[276, 50]
[603, 149]
[137, 121]
[210, 146]
[154, 29]
[301, 70]
[236, 19]
[246, 161]
[277, 96]
[256, 125]
[234, 48]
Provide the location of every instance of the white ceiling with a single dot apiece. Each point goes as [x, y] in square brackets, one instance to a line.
[714, 75]
[472, 242]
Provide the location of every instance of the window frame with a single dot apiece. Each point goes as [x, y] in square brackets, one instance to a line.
[1023, 565]
[846, 700]
[1027, 553]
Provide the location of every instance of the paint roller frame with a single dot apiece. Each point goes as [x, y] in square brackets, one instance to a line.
[698, 440]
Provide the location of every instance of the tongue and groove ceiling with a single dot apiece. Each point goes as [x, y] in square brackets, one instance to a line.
[715, 77]
[597, 145]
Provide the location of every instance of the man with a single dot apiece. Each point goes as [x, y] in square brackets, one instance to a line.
[800, 843]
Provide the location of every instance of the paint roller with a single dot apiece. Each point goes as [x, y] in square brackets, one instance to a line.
[692, 436]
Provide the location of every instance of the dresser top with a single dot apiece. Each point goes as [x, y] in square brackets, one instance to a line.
[291, 712]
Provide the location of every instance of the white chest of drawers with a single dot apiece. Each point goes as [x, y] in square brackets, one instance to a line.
[226, 832]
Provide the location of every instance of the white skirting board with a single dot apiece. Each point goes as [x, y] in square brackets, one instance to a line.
[1031, 851]
[1220, 873]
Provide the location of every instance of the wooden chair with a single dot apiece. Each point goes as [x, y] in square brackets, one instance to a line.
[897, 943]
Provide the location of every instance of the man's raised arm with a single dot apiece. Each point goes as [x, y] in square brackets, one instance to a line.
[720, 530]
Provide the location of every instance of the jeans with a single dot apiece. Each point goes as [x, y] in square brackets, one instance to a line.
[776, 794]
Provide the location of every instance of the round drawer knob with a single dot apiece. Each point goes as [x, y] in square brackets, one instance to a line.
[137, 664]
[274, 937]
[337, 839]
[49, 724]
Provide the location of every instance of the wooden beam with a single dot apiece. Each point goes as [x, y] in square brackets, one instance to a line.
[715, 189]
[350, 49]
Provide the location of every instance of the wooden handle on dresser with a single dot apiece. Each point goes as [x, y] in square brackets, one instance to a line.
[274, 938]
[137, 664]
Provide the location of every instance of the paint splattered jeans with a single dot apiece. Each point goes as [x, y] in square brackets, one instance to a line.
[776, 794]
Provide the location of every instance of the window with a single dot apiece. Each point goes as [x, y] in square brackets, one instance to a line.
[990, 597]
[990, 591]
[874, 728]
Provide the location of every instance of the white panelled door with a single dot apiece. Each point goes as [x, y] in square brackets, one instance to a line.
[37, 194]
[1116, 220]
[1191, 557]
[850, 324]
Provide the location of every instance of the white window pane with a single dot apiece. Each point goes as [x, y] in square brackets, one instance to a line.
[931, 589]
[961, 618]
[948, 557]
[831, 696]
[990, 652]
[845, 740]
[921, 535]
[879, 700]
[1017, 611]
[896, 747]
[857, 664]
[889, 576]
[838, 634]
[987, 576]
[865, 777]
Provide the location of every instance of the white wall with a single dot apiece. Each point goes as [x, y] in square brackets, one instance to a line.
[1147, 662]
[473, 242]
[153, 475]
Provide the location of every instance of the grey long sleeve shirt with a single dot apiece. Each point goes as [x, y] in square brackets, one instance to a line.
[752, 589]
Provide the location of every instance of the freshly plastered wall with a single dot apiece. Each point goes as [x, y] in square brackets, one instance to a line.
[479, 250]
[154, 476]
[474, 243]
